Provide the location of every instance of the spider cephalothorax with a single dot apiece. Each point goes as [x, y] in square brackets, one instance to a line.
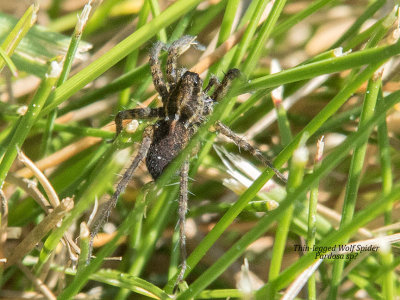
[185, 106]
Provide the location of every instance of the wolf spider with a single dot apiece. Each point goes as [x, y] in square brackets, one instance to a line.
[185, 106]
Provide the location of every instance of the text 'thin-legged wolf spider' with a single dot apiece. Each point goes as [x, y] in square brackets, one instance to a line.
[185, 107]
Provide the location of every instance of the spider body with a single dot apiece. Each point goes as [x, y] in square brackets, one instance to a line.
[185, 107]
[183, 113]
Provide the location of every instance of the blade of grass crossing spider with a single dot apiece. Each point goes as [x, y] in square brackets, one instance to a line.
[328, 164]
[221, 65]
[18, 32]
[117, 53]
[28, 120]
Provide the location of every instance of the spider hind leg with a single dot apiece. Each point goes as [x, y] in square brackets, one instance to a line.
[241, 143]
[110, 204]
[183, 207]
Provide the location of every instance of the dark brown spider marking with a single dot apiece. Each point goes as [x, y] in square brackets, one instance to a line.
[185, 107]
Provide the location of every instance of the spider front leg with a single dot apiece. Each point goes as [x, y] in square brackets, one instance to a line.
[241, 143]
[156, 72]
[110, 204]
[213, 81]
[222, 88]
[136, 113]
[176, 49]
[183, 207]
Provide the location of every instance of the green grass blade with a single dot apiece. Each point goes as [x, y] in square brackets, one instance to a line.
[28, 120]
[18, 32]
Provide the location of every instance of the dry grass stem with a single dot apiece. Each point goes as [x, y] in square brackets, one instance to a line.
[50, 192]
[53, 198]
[40, 286]
[30, 188]
[60, 156]
[40, 231]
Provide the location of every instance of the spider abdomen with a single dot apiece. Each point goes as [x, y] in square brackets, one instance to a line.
[169, 138]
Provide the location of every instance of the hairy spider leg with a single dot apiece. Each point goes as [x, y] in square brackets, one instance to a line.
[241, 143]
[156, 72]
[176, 49]
[110, 204]
[183, 207]
[213, 81]
[221, 89]
[137, 113]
